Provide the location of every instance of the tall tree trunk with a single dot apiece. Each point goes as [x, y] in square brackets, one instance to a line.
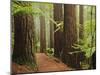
[58, 37]
[81, 21]
[81, 30]
[58, 12]
[23, 40]
[42, 34]
[70, 35]
[51, 35]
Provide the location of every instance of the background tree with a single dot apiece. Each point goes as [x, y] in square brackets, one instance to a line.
[42, 32]
[81, 30]
[81, 22]
[51, 33]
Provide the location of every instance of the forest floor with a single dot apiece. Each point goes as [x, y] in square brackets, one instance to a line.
[44, 64]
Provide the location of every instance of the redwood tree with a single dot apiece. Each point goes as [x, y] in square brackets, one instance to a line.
[51, 34]
[81, 21]
[23, 37]
[81, 30]
[58, 12]
[58, 35]
[70, 35]
[42, 32]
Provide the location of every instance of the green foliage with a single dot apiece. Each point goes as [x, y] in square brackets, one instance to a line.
[34, 8]
[36, 46]
[84, 64]
[24, 7]
[29, 7]
[50, 51]
[87, 44]
[85, 48]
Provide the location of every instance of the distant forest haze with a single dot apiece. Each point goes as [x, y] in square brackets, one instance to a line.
[49, 37]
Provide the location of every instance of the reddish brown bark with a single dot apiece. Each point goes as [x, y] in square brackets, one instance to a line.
[58, 35]
[23, 39]
[70, 35]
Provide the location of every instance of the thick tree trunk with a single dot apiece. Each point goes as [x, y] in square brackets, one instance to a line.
[58, 12]
[42, 34]
[58, 35]
[70, 35]
[58, 44]
[23, 39]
